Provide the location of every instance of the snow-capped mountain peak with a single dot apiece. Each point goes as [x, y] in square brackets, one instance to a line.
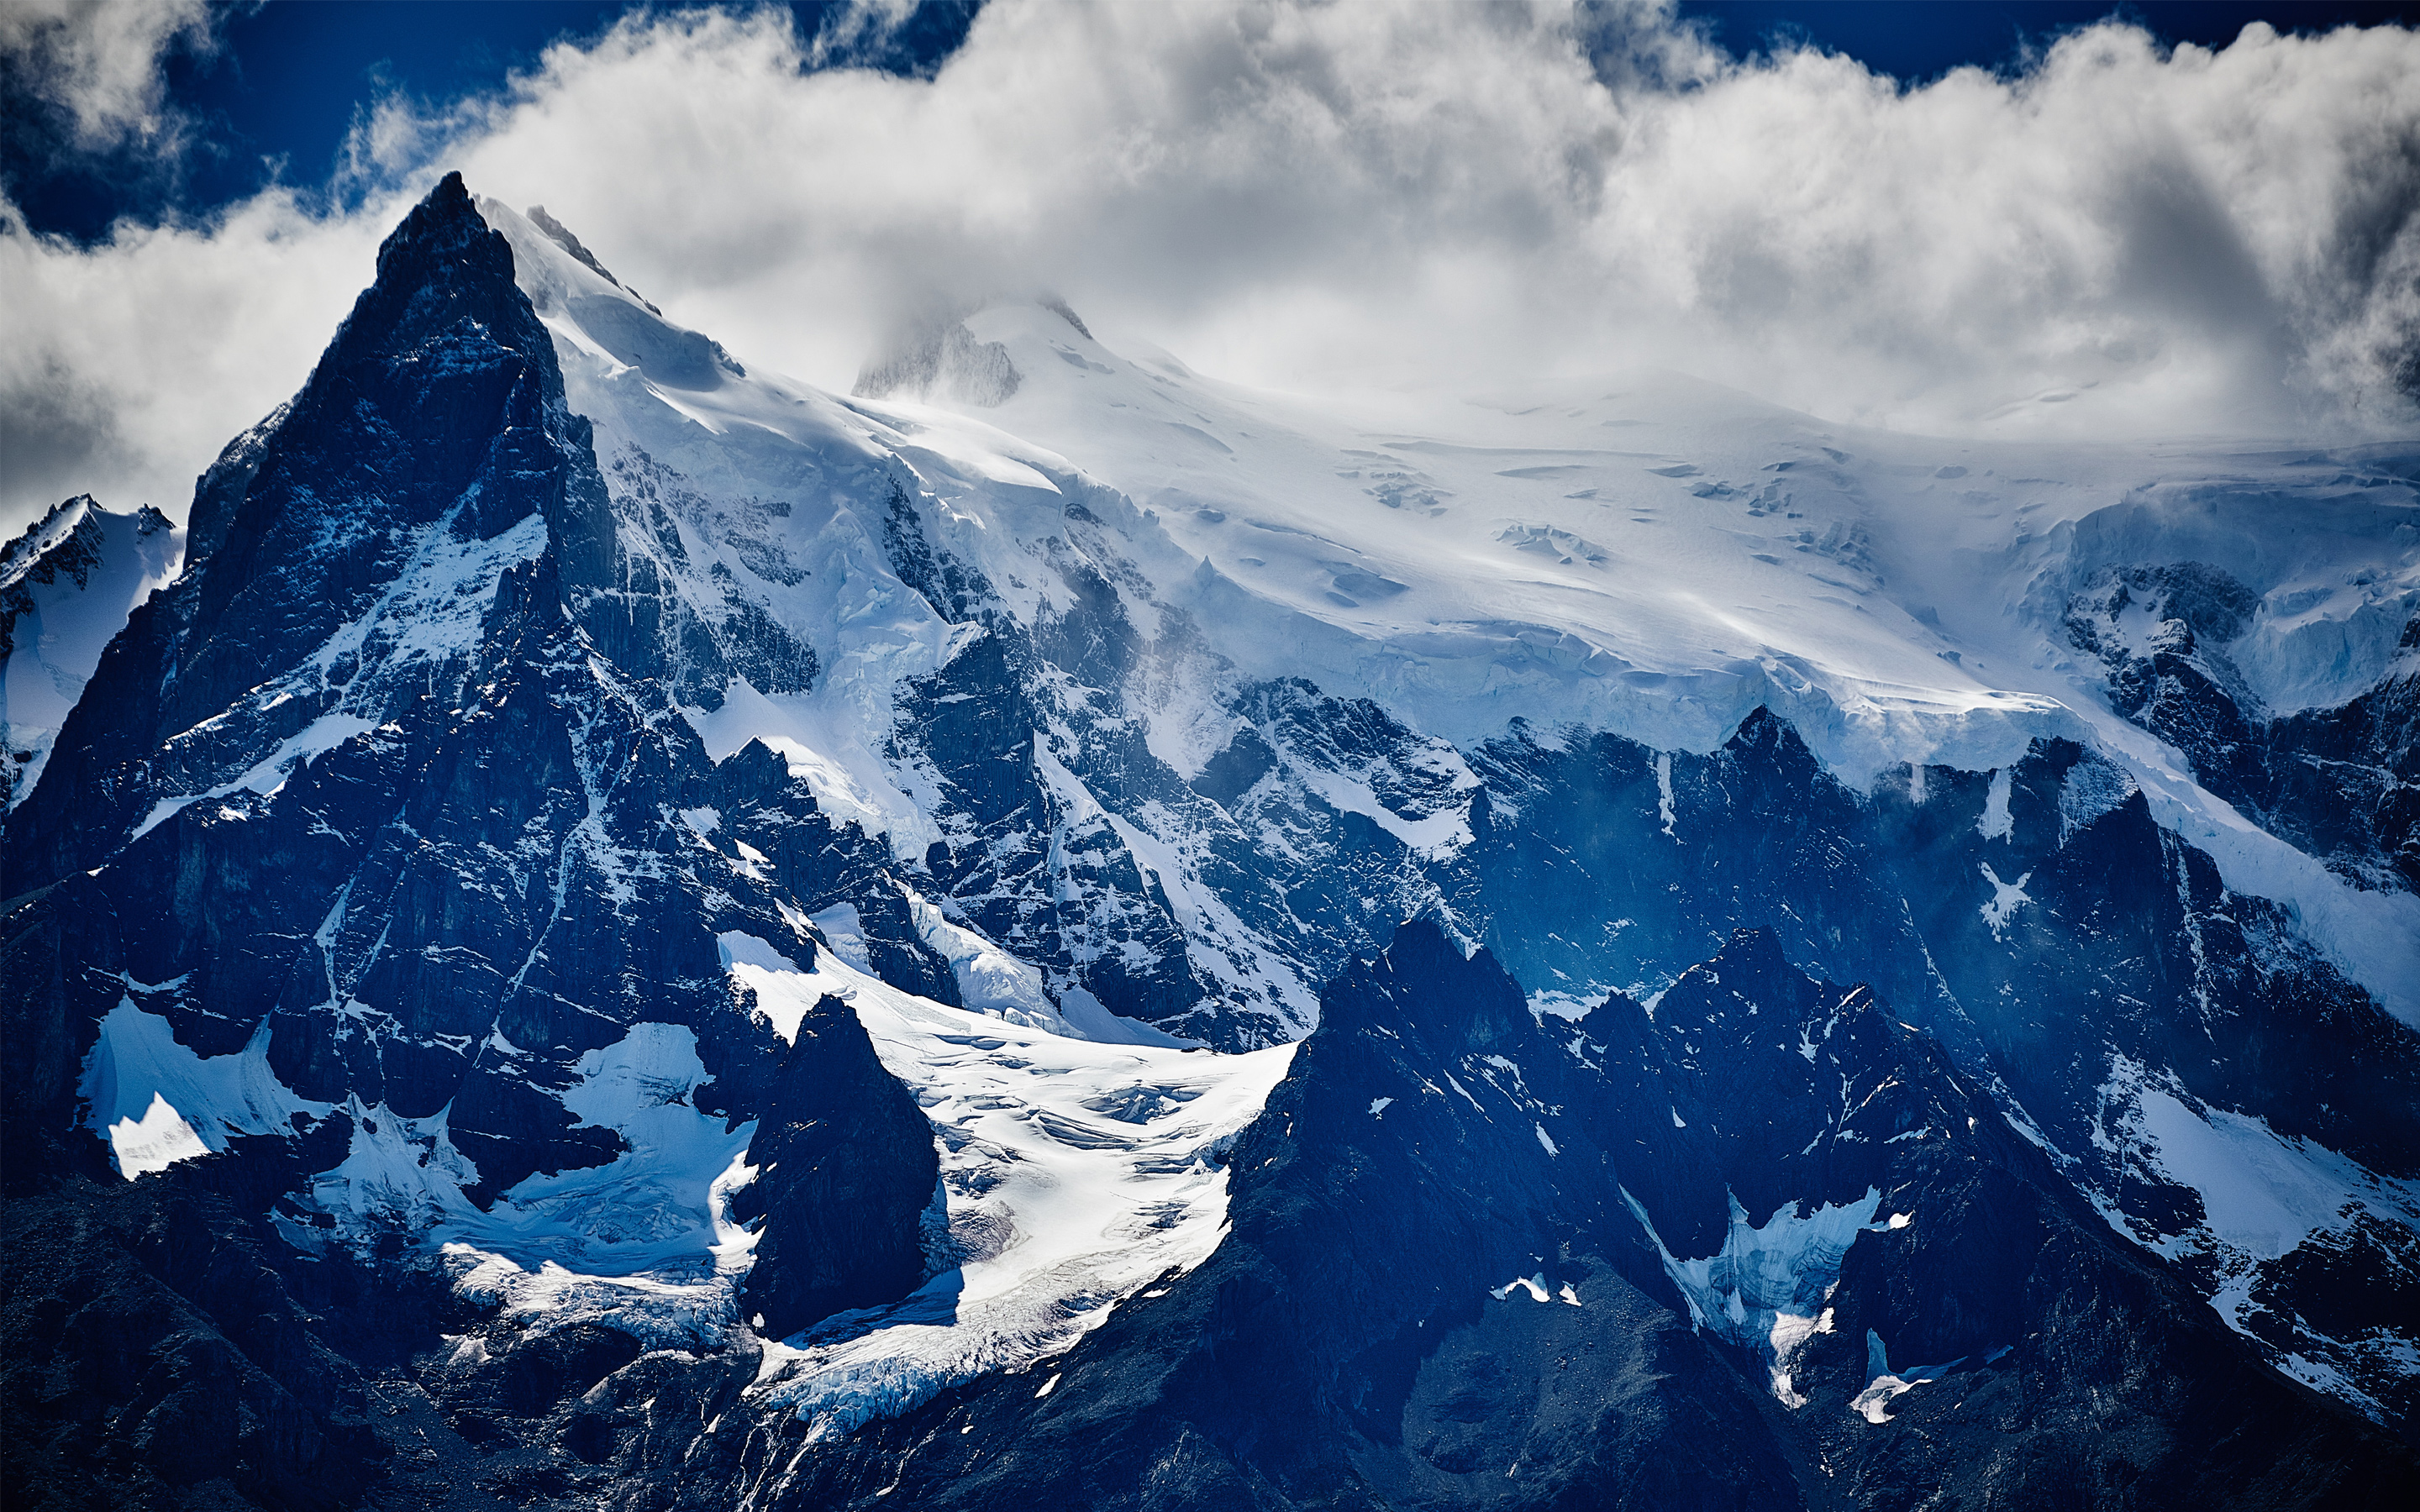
[66, 586]
[856, 943]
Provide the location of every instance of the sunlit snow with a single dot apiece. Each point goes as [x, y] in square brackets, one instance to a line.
[156, 1101]
[1077, 1172]
[154, 1142]
[1883, 1384]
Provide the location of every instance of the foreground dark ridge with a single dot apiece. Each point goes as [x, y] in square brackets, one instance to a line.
[1355, 1343]
[1460, 1274]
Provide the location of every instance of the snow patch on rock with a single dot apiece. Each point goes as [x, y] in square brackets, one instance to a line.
[156, 1102]
[2007, 898]
[1074, 1173]
[1766, 1289]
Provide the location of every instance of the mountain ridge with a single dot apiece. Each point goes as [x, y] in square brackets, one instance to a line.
[677, 870]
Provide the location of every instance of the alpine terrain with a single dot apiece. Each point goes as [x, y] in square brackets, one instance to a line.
[596, 928]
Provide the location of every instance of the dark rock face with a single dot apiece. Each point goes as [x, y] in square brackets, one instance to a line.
[764, 806]
[490, 869]
[1459, 1275]
[1027, 856]
[2342, 783]
[847, 1154]
[1037, 736]
[2075, 957]
[156, 1357]
[440, 379]
[389, 793]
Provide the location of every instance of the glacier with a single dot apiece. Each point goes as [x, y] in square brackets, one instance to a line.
[1895, 598]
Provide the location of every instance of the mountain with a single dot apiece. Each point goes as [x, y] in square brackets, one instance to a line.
[1055, 933]
[1479, 1258]
[66, 586]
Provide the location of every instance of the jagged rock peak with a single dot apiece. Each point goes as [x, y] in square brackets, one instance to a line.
[64, 582]
[445, 283]
[66, 542]
[1433, 987]
[435, 418]
[36, 552]
[1754, 949]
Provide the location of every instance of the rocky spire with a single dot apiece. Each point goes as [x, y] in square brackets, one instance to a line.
[431, 429]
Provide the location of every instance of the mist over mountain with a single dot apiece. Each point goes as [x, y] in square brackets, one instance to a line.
[591, 922]
[2101, 236]
[822, 941]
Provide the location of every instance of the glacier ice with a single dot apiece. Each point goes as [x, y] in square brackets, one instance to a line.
[1766, 1289]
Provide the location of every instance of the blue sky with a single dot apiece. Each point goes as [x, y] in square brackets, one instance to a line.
[271, 90]
[1917, 41]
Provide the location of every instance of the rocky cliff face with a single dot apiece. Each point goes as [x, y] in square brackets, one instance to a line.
[629, 931]
[1690, 1258]
[379, 857]
[2340, 782]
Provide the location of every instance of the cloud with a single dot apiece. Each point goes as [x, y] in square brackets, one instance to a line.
[99, 60]
[129, 365]
[2117, 241]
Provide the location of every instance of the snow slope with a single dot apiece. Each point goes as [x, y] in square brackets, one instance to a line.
[1653, 555]
[1642, 553]
[2262, 1197]
[66, 587]
[1704, 552]
[1073, 1174]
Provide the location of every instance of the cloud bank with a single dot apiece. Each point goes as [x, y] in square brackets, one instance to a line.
[2117, 241]
[99, 60]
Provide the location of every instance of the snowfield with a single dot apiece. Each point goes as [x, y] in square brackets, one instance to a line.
[1073, 1174]
[1639, 552]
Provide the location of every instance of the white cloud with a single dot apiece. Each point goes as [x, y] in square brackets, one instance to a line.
[2116, 242]
[100, 58]
[128, 365]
